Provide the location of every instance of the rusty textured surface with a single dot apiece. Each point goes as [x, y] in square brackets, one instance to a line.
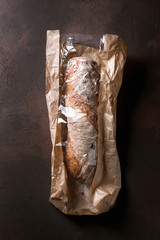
[25, 212]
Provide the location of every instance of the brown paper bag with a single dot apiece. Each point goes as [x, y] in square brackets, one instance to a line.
[98, 193]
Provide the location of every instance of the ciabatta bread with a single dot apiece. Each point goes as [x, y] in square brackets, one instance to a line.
[82, 80]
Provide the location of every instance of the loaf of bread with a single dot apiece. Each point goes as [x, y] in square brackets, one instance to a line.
[82, 81]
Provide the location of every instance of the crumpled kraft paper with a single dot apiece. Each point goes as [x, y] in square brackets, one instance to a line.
[99, 195]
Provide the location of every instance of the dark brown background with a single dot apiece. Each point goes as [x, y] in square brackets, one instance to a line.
[25, 145]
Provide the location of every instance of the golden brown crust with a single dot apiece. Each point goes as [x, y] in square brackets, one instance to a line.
[77, 101]
[73, 165]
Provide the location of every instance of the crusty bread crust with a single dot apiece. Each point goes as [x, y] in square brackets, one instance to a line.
[82, 77]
